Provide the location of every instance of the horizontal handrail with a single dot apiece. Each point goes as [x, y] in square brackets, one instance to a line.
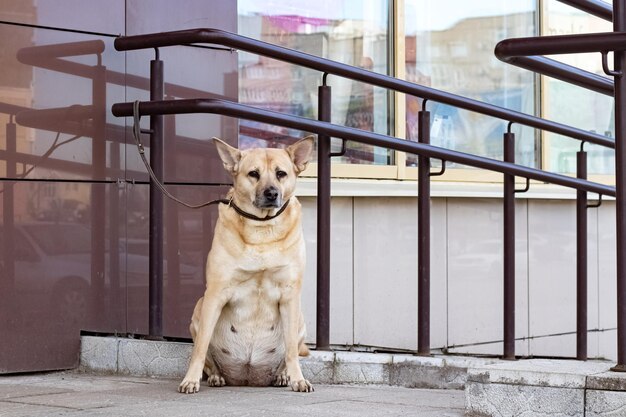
[228, 108]
[215, 36]
[563, 72]
[597, 8]
[561, 44]
[525, 53]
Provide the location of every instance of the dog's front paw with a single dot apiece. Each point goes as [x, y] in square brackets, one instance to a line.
[302, 386]
[215, 380]
[189, 386]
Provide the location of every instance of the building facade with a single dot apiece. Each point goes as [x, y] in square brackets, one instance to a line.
[74, 236]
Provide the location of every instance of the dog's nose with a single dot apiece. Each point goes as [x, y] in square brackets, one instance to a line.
[270, 193]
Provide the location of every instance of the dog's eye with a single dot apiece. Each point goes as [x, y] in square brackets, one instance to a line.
[254, 174]
[281, 174]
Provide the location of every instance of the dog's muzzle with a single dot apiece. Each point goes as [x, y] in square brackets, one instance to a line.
[269, 198]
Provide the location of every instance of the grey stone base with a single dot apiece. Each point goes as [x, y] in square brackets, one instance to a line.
[170, 359]
[532, 387]
[541, 387]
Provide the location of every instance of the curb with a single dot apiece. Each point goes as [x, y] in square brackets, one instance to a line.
[115, 355]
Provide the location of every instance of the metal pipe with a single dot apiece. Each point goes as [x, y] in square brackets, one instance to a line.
[563, 72]
[98, 193]
[7, 283]
[323, 224]
[155, 328]
[423, 248]
[215, 36]
[619, 25]
[509, 252]
[597, 8]
[561, 44]
[581, 260]
[228, 108]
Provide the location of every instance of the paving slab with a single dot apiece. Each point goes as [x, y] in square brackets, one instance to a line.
[545, 387]
[74, 393]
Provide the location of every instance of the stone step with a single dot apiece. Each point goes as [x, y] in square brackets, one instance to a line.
[545, 387]
[169, 359]
[529, 387]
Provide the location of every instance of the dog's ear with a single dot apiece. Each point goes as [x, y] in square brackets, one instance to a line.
[301, 152]
[230, 156]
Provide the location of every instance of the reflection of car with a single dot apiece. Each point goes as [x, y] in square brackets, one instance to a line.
[52, 264]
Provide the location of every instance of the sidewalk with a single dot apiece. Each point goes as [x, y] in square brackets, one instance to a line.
[84, 394]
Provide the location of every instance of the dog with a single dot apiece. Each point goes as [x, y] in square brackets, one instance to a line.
[248, 328]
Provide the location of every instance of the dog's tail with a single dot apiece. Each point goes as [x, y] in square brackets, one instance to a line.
[303, 350]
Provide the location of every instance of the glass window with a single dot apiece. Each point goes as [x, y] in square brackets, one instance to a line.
[449, 45]
[348, 31]
[572, 105]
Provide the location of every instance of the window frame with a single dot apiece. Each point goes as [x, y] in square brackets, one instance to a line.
[397, 109]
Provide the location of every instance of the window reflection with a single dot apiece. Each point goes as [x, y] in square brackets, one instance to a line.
[574, 105]
[452, 50]
[348, 31]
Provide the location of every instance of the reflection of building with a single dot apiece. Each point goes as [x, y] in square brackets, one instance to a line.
[563, 23]
[67, 202]
[282, 87]
[276, 85]
[461, 58]
[15, 89]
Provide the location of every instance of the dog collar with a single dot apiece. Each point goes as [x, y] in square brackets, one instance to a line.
[247, 215]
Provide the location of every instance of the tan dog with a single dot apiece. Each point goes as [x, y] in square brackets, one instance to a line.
[248, 329]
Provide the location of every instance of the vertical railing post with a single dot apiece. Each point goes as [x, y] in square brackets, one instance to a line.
[155, 327]
[581, 259]
[98, 191]
[323, 223]
[7, 283]
[423, 228]
[619, 25]
[509, 250]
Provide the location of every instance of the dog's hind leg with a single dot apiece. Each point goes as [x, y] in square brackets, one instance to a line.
[214, 377]
[282, 379]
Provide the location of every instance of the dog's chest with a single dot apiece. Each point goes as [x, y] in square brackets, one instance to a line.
[264, 262]
[260, 290]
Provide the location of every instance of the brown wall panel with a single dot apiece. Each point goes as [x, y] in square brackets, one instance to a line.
[188, 236]
[62, 257]
[74, 241]
[146, 16]
[55, 84]
[189, 73]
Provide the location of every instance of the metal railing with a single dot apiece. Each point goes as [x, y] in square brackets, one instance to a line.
[525, 52]
[423, 149]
